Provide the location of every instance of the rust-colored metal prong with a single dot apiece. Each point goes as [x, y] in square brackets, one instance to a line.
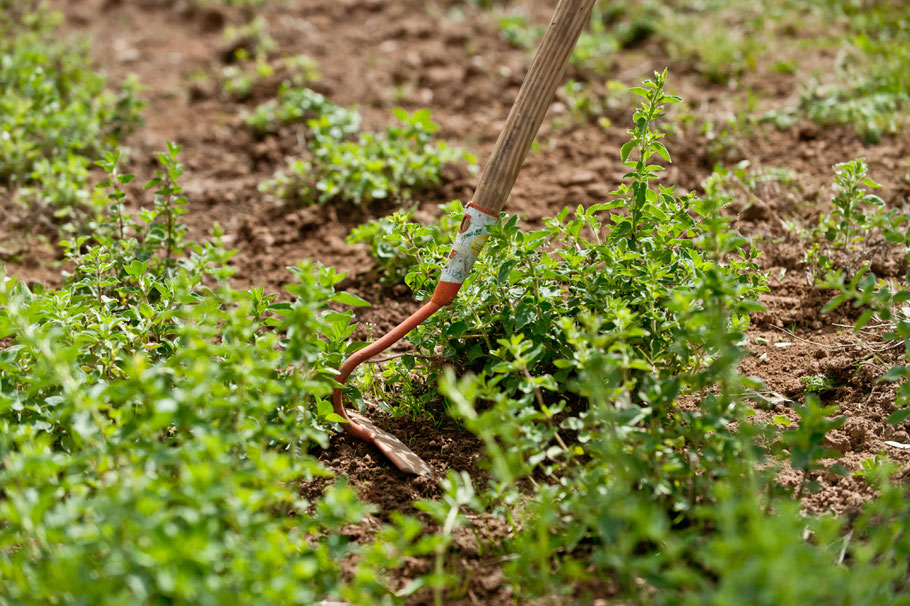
[403, 457]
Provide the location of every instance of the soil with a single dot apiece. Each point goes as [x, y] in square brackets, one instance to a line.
[378, 54]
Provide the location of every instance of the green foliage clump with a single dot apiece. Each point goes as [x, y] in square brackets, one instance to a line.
[847, 216]
[604, 379]
[818, 384]
[155, 423]
[806, 442]
[397, 243]
[251, 38]
[356, 168]
[529, 284]
[56, 114]
[884, 303]
[239, 79]
[300, 104]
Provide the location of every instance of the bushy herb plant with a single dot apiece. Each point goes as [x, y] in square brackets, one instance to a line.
[603, 381]
[155, 422]
[56, 113]
[298, 104]
[398, 243]
[819, 384]
[353, 167]
[635, 266]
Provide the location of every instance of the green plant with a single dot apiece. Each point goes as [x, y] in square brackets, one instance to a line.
[516, 31]
[394, 163]
[155, 422]
[689, 30]
[301, 69]
[719, 53]
[56, 114]
[299, 104]
[458, 493]
[626, 439]
[886, 302]
[587, 102]
[847, 215]
[806, 441]
[817, 384]
[614, 26]
[600, 364]
[870, 90]
[251, 66]
[239, 79]
[870, 467]
[251, 38]
[845, 238]
[397, 243]
[514, 320]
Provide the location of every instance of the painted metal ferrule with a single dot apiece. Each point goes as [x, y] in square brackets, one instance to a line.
[472, 235]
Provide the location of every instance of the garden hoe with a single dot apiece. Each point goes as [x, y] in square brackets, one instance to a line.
[493, 190]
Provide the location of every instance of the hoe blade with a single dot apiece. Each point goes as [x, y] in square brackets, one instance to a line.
[403, 457]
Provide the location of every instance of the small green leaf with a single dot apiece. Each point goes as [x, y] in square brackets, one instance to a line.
[456, 329]
[335, 418]
[347, 298]
[863, 319]
[898, 416]
[625, 150]
[896, 373]
[661, 149]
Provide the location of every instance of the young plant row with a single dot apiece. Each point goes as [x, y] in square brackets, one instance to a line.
[345, 164]
[154, 422]
[156, 425]
[56, 113]
[723, 41]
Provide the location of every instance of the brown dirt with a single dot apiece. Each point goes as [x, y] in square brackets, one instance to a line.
[377, 54]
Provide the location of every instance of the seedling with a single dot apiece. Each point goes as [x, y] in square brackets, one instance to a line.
[817, 384]
[841, 238]
[871, 467]
[147, 397]
[806, 441]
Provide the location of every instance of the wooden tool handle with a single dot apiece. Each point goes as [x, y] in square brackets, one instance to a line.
[531, 105]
